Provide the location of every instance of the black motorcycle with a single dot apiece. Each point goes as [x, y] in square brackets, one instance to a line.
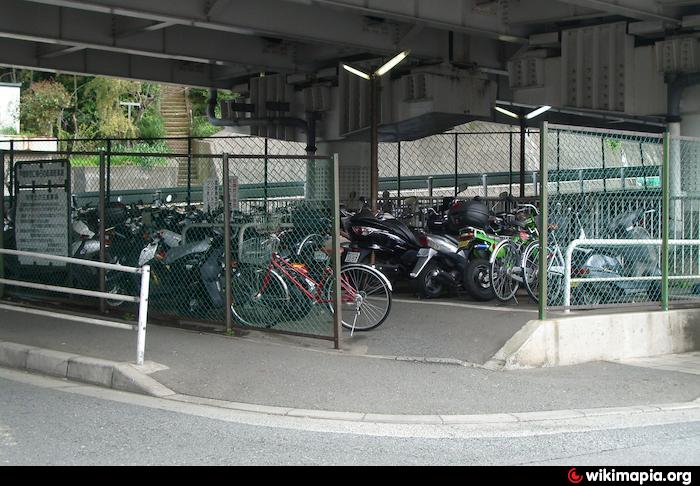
[384, 242]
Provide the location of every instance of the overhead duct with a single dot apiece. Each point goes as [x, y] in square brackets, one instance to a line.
[230, 119]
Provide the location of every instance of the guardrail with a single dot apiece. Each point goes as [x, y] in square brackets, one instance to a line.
[615, 242]
[142, 299]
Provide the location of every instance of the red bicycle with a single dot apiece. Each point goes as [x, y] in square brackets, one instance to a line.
[269, 289]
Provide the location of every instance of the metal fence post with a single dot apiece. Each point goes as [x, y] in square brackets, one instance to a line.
[337, 308]
[398, 172]
[666, 219]
[265, 186]
[456, 165]
[510, 166]
[11, 168]
[544, 228]
[143, 314]
[2, 212]
[109, 170]
[189, 171]
[101, 210]
[227, 242]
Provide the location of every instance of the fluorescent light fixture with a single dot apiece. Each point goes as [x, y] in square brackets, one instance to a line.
[356, 72]
[506, 112]
[537, 112]
[392, 63]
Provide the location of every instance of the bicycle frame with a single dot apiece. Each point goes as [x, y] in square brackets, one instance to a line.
[290, 271]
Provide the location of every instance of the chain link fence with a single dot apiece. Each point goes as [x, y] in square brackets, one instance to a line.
[684, 218]
[608, 198]
[137, 202]
[477, 159]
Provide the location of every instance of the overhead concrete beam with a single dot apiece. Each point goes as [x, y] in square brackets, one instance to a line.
[23, 54]
[90, 30]
[636, 9]
[272, 18]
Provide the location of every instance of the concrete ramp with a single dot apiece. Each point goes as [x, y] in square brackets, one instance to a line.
[599, 337]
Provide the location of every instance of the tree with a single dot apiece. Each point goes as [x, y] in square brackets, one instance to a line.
[42, 107]
[111, 118]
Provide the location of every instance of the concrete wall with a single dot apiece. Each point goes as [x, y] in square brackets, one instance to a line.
[581, 339]
[87, 179]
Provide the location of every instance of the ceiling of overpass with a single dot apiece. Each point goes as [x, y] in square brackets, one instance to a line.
[468, 49]
[219, 42]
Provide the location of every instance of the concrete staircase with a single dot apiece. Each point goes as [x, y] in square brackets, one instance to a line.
[174, 110]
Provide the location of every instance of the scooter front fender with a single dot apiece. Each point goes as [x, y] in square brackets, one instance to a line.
[422, 262]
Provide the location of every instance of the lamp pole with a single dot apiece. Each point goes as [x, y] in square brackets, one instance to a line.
[523, 128]
[374, 79]
[522, 118]
[374, 140]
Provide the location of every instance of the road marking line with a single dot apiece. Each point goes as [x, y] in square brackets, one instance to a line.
[467, 306]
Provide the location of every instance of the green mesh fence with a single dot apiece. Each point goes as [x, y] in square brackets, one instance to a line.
[164, 207]
[684, 216]
[604, 194]
[283, 276]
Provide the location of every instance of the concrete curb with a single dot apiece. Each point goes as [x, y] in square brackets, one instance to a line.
[94, 371]
[126, 377]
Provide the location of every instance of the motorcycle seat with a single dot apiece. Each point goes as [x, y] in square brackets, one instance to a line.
[178, 252]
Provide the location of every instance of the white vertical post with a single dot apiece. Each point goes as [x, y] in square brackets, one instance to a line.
[143, 314]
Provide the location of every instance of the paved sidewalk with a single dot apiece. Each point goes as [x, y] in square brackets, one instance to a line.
[290, 372]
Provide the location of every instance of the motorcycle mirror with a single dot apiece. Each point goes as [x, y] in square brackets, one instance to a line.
[169, 198]
[119, 199]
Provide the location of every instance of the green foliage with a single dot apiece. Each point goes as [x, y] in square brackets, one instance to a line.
[152, 125]
[155, 147]
[613, 144]
[113, 122]
[202, 128]
[42, 107]
[8, 131]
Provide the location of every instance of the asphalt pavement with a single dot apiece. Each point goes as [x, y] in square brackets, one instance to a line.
[302, 373]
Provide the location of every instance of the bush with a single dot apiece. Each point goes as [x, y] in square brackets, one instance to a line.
[202, 128]
[152, 125]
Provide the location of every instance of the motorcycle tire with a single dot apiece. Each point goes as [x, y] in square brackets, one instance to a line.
[429, 287]
[476, 279]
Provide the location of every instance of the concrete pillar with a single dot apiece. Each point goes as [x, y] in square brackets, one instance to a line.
[354, 170]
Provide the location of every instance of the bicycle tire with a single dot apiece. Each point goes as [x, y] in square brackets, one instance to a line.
[365, 282]
[253, 308]
[530, 265]
[506, 256]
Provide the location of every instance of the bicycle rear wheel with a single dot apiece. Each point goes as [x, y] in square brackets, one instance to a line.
[365, 298]
[260, 297]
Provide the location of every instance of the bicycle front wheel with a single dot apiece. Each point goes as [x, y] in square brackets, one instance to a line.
[505, 262]
[531, 269]
[260, 297]
[365, 298]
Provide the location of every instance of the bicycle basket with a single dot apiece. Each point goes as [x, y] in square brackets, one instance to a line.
[257, 250]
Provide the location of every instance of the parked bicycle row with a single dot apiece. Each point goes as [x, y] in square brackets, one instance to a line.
[281, 265]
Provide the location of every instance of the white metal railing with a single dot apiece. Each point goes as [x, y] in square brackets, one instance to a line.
[615, 242]
[142, 299]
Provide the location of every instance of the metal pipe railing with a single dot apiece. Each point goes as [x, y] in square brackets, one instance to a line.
[142, 299]
[616, 243]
